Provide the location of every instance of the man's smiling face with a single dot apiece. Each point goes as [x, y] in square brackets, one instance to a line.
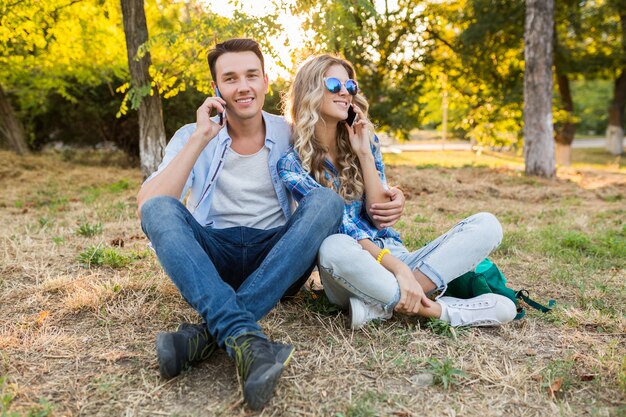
[242, 84]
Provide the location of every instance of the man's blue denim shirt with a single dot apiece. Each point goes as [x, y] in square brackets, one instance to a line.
[205, 172]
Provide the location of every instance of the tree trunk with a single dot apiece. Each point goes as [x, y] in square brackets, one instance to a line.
[538, 129]
[151, 127]
[565, 133]
[564, 154]
[615, 130]
[11, 128]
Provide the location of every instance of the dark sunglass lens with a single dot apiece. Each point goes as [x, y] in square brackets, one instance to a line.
[352, 87]
[333, 85]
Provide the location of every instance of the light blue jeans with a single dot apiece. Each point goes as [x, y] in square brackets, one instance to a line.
[347, 270]
[233, 277]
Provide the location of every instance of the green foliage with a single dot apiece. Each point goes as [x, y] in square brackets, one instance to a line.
[91, 194]
[7, 394]
[48, 46]
[443, 328]
[591, 99]
[621, 379]
[318, 302]
[365, 405]
[88, 230]
[445, 372]
[559, 373]
[111, 257]
[418, 218]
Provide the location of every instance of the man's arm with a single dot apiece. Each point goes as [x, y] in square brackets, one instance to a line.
[390, 212]
[172, 180]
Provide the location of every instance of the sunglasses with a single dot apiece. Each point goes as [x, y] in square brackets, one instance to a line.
[334, 85]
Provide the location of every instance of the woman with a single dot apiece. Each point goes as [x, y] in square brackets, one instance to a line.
[366, 268]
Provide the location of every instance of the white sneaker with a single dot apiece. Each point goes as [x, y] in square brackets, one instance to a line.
[362, 312]
[484, 310]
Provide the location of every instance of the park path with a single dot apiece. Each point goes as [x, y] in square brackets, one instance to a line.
[412, 146]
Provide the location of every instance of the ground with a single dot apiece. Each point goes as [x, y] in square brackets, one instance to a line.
[82, 298]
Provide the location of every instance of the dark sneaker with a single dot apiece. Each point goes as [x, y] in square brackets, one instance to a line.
[260, 363]
[176, 351]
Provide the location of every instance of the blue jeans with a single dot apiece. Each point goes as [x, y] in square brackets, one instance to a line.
[233, 277]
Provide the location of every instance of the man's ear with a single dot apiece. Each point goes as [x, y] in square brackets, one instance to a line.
[266, 80]
[213, 86]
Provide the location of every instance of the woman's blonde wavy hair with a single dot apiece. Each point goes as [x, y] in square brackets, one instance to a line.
[302, 105]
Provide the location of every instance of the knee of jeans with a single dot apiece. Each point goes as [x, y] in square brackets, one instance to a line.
[158, 208]
[327, 203]
[490, 229]
[334, 250]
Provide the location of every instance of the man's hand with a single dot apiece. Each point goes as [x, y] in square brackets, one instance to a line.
[412, 296]
[206, 128]
[389, 213]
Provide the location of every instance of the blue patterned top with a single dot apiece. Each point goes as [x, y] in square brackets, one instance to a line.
[355, 222]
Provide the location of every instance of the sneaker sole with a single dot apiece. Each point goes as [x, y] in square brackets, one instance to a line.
[355, 324]
[166, 356]
[285, 354]
[259, 392]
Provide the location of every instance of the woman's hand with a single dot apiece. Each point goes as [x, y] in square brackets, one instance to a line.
[359, 135]
[412, 295]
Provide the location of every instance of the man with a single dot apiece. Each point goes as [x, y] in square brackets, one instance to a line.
[236, 249]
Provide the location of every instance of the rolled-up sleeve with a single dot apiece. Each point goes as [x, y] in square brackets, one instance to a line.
[378, 161]
[172, 149]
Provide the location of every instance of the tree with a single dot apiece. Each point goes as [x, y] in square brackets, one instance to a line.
[480, 49]
[538, 128]
[570, 44]
[151, 127]
[615, 130]
[49, 47]
[11, 127]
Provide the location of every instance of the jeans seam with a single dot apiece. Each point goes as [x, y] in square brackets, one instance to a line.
[422, 260]
[353, 290]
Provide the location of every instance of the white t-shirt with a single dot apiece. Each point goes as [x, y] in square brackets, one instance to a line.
[244, 194]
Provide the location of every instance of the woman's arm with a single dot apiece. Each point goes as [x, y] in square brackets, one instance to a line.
[359, 140]
[412, 296]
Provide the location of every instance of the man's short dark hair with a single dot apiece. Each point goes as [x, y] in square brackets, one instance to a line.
[234, 45]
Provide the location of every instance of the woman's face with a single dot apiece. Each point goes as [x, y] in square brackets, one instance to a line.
[335, 105]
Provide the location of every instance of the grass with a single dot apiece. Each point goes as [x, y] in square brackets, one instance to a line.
[445, 372]
[82, 299]
[581, 159]
[88, 230]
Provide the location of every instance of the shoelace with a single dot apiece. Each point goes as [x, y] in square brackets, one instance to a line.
[243, 358]
[247, 352]
[195, 338]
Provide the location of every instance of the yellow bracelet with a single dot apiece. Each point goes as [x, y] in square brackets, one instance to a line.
[382, 253]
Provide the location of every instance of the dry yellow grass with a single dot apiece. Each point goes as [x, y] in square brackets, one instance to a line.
[80, 341]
